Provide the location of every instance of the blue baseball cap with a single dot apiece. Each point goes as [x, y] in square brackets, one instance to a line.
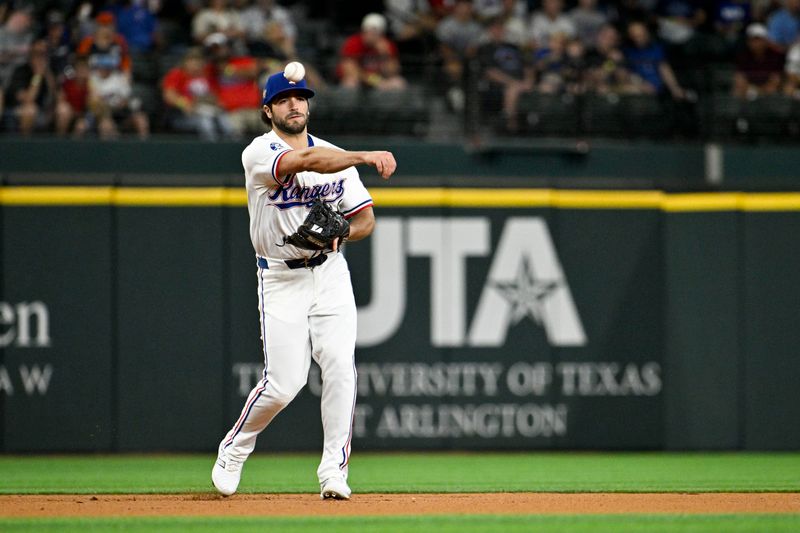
[277, 84]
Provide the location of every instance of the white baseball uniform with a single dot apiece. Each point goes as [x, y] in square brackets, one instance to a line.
[305, 312]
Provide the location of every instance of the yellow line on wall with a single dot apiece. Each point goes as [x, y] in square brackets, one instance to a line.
[56, 195]
[771, 202]
[444, 197]
[174, 196]
[607, 199]
[411, 197]
[702, 202]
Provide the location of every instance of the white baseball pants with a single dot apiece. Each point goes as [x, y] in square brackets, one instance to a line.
[305, 313]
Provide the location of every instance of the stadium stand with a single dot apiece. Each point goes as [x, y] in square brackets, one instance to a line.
[436, 100]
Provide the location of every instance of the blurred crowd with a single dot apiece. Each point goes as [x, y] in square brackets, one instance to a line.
[104, 68]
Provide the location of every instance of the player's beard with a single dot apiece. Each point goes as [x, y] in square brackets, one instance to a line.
[293, 128]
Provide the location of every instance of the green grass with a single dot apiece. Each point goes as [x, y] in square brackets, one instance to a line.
[439, 524]
[414, 472]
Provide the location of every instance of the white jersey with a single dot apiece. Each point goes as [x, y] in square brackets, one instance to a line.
[278, 203]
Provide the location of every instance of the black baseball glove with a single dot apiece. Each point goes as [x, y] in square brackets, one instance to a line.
[321, 226]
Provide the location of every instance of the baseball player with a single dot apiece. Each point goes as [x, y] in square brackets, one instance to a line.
[305, 296]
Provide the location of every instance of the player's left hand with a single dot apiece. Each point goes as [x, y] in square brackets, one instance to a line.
[322, 228]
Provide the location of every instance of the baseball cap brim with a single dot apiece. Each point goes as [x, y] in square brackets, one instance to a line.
[303, 91]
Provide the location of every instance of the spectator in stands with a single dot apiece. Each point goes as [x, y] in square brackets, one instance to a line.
[268, 26]
[59, 44]
[588, 19]
[783, 25]
[370, 58]
[506, 74]
[137, 23]
[548, 21]
[31, 91]
[410, 19]
[679, 22]
[413, 26]
[606, 70]
[561, 65]
[515, 14]
[758, 66]
[441, 8]
[72, 105]
[234, 80]
[487, 10]
[459, 35]
[192, 105]
[792, 69]
[83, 22]
[16, 36]
[218, 18]
[646, 59]
[105, 42]
[111, 100]
[730, 18]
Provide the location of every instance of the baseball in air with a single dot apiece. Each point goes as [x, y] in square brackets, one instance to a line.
[294, 71]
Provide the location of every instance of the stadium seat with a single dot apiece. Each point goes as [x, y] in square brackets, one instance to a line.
[768, 116]
[721, 78]
[601, 115]
[550, 114]
[149, 98]
[335, 109]
[396, 112]
[645, 116]
[145, 68]
[721, 117]
[793, 125]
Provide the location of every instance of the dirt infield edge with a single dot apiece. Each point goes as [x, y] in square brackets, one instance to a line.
[305, 505]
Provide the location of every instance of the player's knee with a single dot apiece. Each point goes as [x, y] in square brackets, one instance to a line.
[340, 370]
[286, 392]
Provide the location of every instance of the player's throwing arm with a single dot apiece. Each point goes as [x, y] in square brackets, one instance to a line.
[327, 161]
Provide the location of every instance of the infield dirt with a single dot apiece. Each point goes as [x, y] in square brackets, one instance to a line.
[393, 504]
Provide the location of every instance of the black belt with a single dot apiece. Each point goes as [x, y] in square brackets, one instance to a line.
[305, 262]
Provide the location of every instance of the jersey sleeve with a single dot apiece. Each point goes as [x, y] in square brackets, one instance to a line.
[262, 161]
[356, 197]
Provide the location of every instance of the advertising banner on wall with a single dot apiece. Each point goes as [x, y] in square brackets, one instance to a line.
[498, 329]
[605, 320]
[56, 358]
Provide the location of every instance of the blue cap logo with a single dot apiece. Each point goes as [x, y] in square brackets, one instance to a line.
[277, 84]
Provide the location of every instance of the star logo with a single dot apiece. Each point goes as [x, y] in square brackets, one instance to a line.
[526, 294]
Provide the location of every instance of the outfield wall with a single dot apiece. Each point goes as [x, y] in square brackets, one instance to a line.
[508, 319]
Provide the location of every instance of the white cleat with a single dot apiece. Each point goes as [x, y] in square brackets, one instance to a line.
[335, 489]
[226, 474]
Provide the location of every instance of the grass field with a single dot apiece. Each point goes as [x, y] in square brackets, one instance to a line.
[400, 473]
[427, 524]
[416, 472]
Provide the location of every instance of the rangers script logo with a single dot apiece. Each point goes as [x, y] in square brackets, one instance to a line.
[292, 195]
